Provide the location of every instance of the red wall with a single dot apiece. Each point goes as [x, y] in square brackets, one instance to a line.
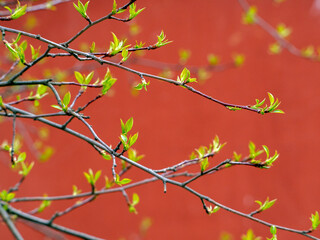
[172, 122]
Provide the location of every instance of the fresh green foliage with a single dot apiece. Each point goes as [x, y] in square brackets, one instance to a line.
[6, 196]
[125, 55]
[267, 204]
[107, 82]
[308, 52]
[213, 59]
[142, 85]
[17, 51]
[283, 30]
[114, 8]
[65, 102]
[250, 16]
[82, 9]
[117, 45]
[1, 102]
[250, 236]
[135, 201]
[22, 156]
[203, 152]
[275, 48]
[253, 152]
[139, 45]
[133, 155]
[184, 55]
[83, 79]
[212, 210]
[91, 177]
[109, 183]
[93, 47]
[44, 204]
[34, 52]
[238, 59]
[236, 157]
[75, 190]
[273, 231]
[270, 160]
[272, 108]
[121, 182]
[128, 142]
[185, 77]
[25, 167]
[105, 155]
[18, 12]
[162, 41]
[315, 220]
[132, 11]
[126, 127]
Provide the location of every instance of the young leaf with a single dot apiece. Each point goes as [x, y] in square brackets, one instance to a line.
[132, 11]
[19, 11]
[66, 100]
[315, 220]
[267, 204]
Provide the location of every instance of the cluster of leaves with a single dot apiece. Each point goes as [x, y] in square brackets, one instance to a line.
[185, 77]
[272, 108]
[65, 103]
[254, 153]
[126, 141]
[162, 41]
[17, 51]
[82, 9]
[117, 45]
[18, 11]
[203, 153]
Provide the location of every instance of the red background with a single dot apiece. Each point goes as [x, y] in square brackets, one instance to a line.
[172, 122]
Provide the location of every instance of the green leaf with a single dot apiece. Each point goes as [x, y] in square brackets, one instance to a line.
[8, 8]
[238, 60]
[283, 31]
[132, 154]
[75, 190]
[82, 9]
[267, 204]
[44, 204]
[26, 168]
[107, 82]
[212, 210]
[273, 230]
[271, 98]
[88, 77]
[204, 164]
[135, 199]
[315, 220]
[114, 8]
[5, 196]
[19, 11]
[79, 77]
[132, 139]
[93, 47]
[213, 59]
[22, 156]
[132, 11]
[250, 16]
[275, 48]
[126, 127]
[162, 41]
[91, 177]
[56, 107]
[66, 100]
